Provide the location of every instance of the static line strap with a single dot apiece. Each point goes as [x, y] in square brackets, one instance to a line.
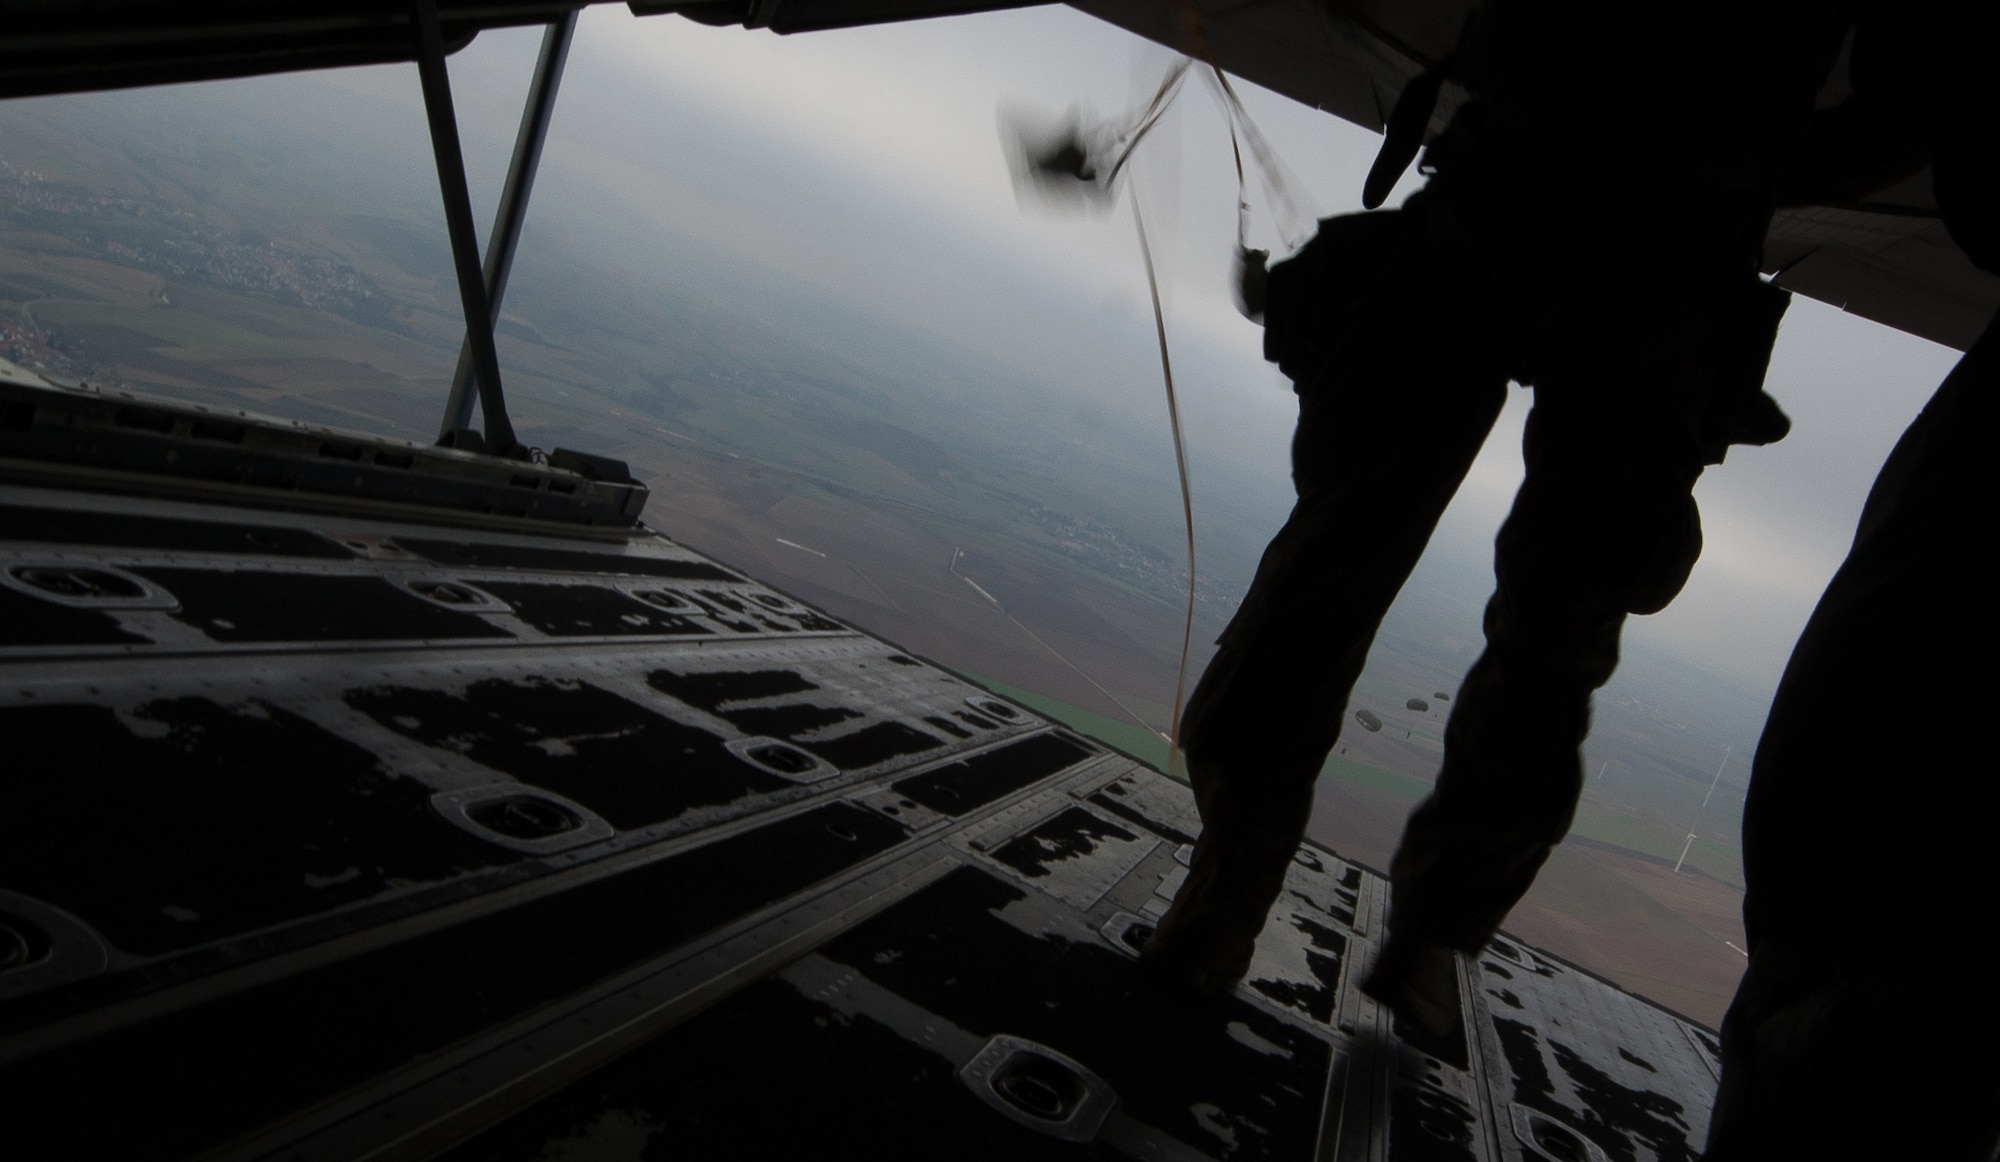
[1285, 204]
[1242, 192]
[1194, 32]
[1170, 86]
[1180, 465]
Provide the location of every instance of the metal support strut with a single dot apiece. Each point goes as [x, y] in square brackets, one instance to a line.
[458, 219]
[535, 118]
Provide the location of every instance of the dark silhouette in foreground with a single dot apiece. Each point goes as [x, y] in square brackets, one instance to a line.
[1594, 140]
[1865, 1023]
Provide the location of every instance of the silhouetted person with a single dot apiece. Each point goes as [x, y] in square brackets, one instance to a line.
[1591, 227]
[1866, 1023]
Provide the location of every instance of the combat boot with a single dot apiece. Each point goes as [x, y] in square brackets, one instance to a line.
[1249, 836]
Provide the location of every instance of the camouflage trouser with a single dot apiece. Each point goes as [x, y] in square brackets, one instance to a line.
[1604, 526]
[1866, 1022]
[1377, 455]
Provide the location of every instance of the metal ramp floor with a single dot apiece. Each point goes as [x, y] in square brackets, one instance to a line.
[334, 837]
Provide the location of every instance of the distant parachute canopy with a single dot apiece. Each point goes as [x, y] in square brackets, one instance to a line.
[1367, 720]
[1442, 696]
[1417, 704]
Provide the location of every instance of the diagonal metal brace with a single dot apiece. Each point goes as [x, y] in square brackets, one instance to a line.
[535, 118]
[472, 295]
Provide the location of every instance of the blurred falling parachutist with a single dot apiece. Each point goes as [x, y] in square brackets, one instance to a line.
[1069, 164]
[1054, 166]
[1074, 162]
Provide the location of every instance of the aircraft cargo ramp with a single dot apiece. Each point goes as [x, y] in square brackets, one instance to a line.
[406, 831]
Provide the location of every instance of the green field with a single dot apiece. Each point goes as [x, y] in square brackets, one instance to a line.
[1151, 749]
[1125, 735]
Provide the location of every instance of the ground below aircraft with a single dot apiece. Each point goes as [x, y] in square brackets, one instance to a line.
[380, 800]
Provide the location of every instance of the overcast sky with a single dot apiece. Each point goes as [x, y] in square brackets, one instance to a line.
[868, 163]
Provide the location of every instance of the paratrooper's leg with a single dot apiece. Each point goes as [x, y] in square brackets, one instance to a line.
[1604, 525]
[1382, 444]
